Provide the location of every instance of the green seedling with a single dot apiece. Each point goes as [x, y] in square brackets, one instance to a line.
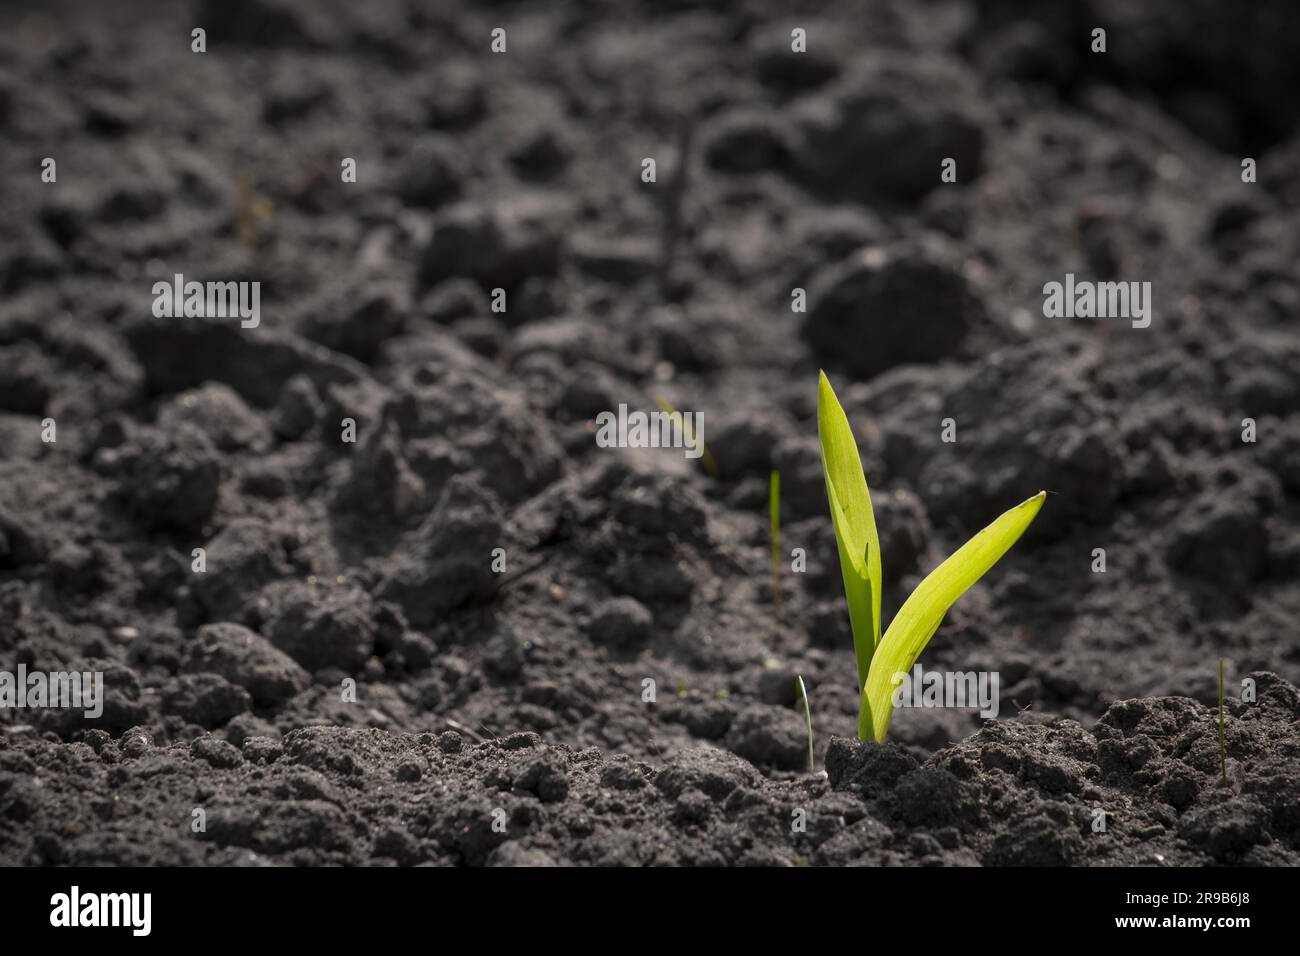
[1223, 749]
[251, 210]
[705, 458]
[802, 693]
[880, 658]
[774, 510]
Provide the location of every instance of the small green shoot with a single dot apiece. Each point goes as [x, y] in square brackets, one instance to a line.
[705, 458]
[802, 693]
[251, 210]
[1223, 749]
[774, 511]
[880, 658]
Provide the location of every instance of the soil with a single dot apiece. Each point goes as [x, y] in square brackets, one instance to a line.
[472, 636]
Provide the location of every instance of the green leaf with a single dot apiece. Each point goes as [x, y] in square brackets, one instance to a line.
[921, 614]
[854, 521]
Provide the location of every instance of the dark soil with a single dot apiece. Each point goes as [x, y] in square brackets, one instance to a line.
[350, 681]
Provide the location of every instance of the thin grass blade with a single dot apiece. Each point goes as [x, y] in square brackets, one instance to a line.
[1223, 750]
[774, 514]
[677, 418]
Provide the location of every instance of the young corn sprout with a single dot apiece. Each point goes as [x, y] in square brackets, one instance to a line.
[880, 658]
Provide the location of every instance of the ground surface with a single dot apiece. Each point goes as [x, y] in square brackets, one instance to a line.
[524, 692]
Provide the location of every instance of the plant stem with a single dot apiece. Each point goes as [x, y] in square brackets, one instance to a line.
[1223, 750]
[774, 508]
